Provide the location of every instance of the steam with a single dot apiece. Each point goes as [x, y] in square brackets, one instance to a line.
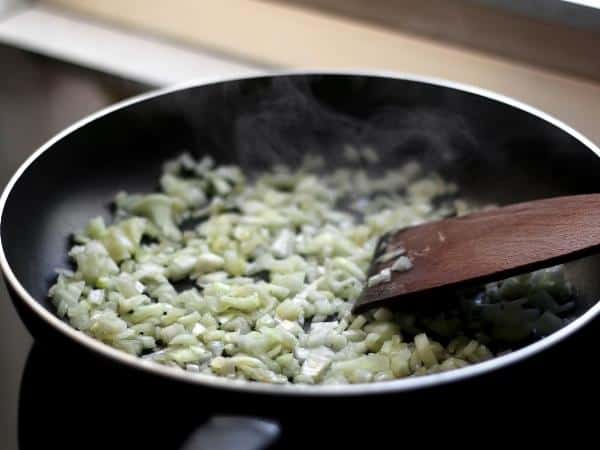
[287, 119]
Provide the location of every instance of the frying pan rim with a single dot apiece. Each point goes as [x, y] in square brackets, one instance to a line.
[209, 381]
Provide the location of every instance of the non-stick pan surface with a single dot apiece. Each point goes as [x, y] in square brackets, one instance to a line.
[496, 149]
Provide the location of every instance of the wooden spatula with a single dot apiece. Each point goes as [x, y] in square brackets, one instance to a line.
[483, 246]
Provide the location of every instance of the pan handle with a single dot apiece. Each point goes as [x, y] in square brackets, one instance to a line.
[233, 432]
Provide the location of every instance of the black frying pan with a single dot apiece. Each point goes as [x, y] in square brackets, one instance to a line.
[496, 149]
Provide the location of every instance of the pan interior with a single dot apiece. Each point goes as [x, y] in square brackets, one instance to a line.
[495, 152]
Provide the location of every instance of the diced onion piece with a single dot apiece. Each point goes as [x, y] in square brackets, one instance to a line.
[382, 277]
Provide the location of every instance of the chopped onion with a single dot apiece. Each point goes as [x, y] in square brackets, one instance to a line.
[271, 273]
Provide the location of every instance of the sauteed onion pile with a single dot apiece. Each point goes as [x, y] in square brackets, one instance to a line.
[254, 277]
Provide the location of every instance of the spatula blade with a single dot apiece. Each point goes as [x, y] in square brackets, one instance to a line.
[485, 246]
